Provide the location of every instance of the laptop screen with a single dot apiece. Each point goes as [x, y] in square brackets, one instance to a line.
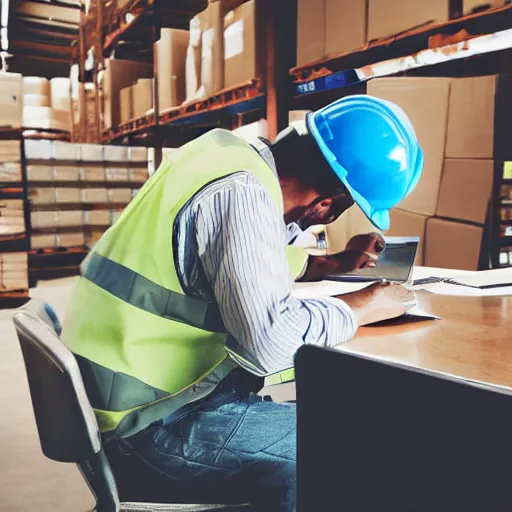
[394, 264]
[373, 436]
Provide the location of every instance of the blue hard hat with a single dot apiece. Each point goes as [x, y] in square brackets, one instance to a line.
[372, 147]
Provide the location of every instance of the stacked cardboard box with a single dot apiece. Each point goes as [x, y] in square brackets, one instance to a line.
[10, 162]
[47, 104]
[170, 54]
[11, 100]
[461, 147]
[328, 27]
[13, 272]
[76, 190]
[12, 218]
[226, 48]
[120, 74]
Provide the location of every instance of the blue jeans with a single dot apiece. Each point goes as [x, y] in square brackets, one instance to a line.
[225, 451]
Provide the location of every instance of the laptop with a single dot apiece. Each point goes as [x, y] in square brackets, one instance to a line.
[375, 436]
[394, 264]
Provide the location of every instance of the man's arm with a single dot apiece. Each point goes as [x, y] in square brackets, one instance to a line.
[241, 241]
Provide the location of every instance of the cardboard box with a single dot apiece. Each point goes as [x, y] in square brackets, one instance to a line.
[390, 17]
[117, 174]
[61, 120]
[452, 245]
[425, 101]
[97, 218]
[115, 154]
[471, 130]
[60, 93]
[12, 218]
[41, 195]
[212, 49]
[10, 151]
[466, 188]
[118, 75]
[35, 100]
[346, 25]
[70, 218]
[66, 173]
[409, 224]
[92, 173]
[142, 97]
[39, 172]
[39, 241]
[44, 220]
[56, 219]
[94, 195]
[36, 85]
[10, 172]
[37, 117]
[311, 30]
[137, 154]
[11, 99]
[138, 175]
[38, 149]
[67, 195]
[66, 151]
[170, 55]
[70, 239]
[120, 195]
[242, 48]
[91, 153]
[126, 105]
[13, 271]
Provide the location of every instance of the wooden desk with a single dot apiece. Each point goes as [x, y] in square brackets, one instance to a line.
[473, 340]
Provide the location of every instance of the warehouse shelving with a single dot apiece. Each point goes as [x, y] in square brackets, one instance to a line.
[226, 109]
[40, 44]
[129, 32]
[137, 19]
[468, 36]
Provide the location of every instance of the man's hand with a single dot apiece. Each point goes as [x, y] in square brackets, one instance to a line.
[379, 302]
[372, 244]
[362, 251]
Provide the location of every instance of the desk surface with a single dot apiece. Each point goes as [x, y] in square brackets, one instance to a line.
[473, 340]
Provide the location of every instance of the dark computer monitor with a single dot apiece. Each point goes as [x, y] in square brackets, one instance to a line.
[373, 436]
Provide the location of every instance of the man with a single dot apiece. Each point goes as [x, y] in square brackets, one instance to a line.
[186, 302]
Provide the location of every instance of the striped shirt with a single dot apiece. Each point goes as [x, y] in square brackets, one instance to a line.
[230, 243]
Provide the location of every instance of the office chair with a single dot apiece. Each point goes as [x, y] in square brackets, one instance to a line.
[66, 423]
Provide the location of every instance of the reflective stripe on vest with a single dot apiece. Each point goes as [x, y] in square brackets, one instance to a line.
[135, 289]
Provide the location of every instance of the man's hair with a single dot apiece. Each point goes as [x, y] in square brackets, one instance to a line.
[298, 156]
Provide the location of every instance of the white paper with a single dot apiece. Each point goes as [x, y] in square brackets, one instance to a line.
[487, 277]
[464, 291]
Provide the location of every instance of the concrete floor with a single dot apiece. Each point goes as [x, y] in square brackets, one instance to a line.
[29, 481]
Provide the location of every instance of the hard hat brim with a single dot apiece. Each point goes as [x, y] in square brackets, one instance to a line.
[379, 218]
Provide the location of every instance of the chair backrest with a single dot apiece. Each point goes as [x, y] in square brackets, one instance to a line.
[67, 427]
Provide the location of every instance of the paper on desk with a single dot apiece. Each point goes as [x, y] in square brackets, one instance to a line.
[464, 291]
[497, 277]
